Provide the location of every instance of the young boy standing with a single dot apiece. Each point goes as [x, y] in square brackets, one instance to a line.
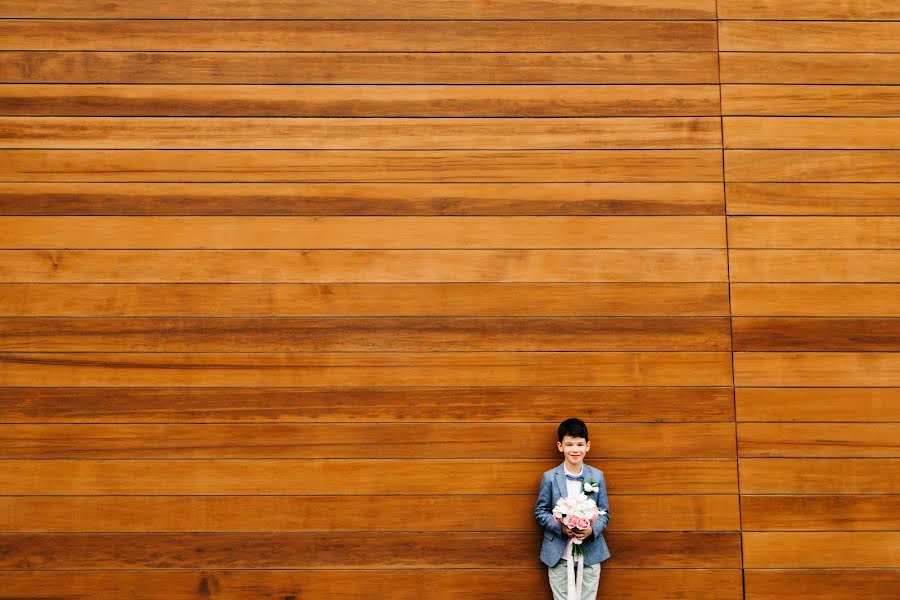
[568, 479]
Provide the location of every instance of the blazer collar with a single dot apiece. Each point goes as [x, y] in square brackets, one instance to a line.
[559, 475]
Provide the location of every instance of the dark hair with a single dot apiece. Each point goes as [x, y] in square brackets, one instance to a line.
[573, 428]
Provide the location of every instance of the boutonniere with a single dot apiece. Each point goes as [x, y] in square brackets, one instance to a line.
[590, 486]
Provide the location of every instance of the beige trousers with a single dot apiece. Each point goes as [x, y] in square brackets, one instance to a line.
[558, 581]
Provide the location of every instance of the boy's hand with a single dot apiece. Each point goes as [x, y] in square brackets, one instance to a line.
[581, 534]
[567, 531]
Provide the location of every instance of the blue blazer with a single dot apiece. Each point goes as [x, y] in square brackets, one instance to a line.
[553, 487]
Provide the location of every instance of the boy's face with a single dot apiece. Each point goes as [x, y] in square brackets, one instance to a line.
[574, 449]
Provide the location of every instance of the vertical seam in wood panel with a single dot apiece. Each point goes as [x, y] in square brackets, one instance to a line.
[737, 458]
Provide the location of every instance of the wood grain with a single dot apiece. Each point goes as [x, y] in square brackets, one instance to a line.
[367, 300]
[364, 36]
[813, 198]
[812, 232]
[243, 477]
[361, 9]
[850, 166]
[358, 199]
[305, 133]
[818, 404]
[807, 9]
[367, 67]
[827, 584]
[815, 266]
[368, 166]
[831, 334]
[147, 514]
[376, 232]
[842, 549]
[363, 100]
[820, 513]
[809, 36]
[824, 476]
[875, 440]
[359, 405]
[794, 132]
[838, 369]
[383, 334]
[382, 584]
[325, 551]
[824, 68]
[376, 440]
[816, 300]
[804, 100]
[86, 369]
[369, 266]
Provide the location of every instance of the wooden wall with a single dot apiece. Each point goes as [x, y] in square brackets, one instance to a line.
[264, 260]
[812, 149]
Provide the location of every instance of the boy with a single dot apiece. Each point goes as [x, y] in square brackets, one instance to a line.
[570, 478]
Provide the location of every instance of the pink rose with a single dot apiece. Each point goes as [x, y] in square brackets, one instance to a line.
[571, 522]
[583, 524]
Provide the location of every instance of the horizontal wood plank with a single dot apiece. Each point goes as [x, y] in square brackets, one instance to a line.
[367, 67]
[832, 549]
[815, 266]
[826, 584]
[810, 334]
[361, 36]
[823, 68]
[812, 232]
[376, 440]
[807, 9]
[357, 266]
[824, 476]
[359, 199]
[146, 514]
[838, 369]
[820, 513]
[325, 551]
[376, 232]
[366, 369]
[807, 36]
[362, 9]
[873, 440]
[404, 477]
[818, 404]
[366, 300]
[780, 132]
[794, 100]
[849, 166]
[388, 334]
[382, 584]
[815, 300]
[367, 134]
[341, 404]
[813, 198]
[363, 100]
[368, 166]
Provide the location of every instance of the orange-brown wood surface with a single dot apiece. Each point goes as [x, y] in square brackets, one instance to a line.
[263, 262]
[382, 584]
[366, 100]
[828, 584]
[360, 199]
[820, 513]
[371, 405]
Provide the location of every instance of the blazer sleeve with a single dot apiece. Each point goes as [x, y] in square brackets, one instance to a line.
[603, 504]
[543, 508]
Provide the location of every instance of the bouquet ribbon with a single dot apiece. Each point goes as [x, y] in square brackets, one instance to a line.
[574, 584]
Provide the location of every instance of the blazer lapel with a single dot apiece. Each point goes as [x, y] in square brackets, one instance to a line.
[560, 477]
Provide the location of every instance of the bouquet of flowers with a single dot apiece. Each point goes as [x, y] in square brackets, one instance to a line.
[577, 512]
